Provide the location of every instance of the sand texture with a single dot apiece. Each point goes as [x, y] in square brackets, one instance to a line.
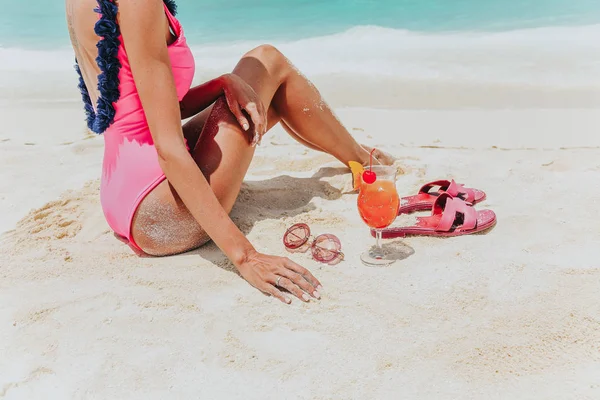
[512, 314]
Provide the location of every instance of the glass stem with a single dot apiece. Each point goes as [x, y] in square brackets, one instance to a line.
[378, 240]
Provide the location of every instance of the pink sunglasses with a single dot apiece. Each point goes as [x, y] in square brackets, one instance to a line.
[325, 248]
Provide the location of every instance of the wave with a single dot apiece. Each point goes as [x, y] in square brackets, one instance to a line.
[555, 56]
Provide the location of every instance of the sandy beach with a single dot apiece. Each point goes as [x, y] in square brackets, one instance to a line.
[511, 314]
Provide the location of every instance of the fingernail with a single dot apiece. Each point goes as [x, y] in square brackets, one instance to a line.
[288, 300]
[319, 288]
[305, 297]
[246, 127]
[317, 294]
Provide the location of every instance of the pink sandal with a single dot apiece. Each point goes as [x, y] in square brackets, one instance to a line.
[424, 199]
[450, 216]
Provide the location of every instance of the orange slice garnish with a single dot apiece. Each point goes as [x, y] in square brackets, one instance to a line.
[357, 171]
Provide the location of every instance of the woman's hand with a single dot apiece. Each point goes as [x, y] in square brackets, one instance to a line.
[269, 274]
[241, 97]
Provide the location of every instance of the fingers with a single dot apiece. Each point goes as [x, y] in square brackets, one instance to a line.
[304, 272]
[269, 274]
[239, 115]
[299, 281]
[288, 285]
[273, 291]
[259, 119]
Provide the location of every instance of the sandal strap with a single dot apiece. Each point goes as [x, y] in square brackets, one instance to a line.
[451, 208]
[428, 186]
[458, 190]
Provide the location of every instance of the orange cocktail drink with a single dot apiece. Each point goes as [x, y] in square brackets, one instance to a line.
[378, 203]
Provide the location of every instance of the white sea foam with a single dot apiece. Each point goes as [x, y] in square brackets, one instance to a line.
[557, 56]
[553, 56]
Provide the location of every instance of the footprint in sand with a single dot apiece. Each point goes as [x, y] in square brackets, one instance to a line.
[55, 220]
[60, 219]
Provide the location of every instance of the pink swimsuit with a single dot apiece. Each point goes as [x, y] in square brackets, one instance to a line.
[130, 169]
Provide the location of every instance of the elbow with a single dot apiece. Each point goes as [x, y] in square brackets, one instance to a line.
[169, 152]
[163, 158]
[163, 150]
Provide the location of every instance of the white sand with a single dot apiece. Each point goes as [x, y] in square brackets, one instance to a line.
[513, 314]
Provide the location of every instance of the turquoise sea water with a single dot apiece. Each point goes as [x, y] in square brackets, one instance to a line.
[37, 24]
[549, 43]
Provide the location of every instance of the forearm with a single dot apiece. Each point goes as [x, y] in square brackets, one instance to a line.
[200, 97]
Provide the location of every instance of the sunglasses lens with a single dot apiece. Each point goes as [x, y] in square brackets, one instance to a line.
[296, 236]
[327, 248]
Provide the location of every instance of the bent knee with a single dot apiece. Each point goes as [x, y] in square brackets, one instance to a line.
[268, 55]
[266, 51]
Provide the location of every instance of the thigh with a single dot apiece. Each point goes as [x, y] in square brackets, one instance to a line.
[162, 224]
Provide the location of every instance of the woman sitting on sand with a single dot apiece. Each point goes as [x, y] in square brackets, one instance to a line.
[169, 188]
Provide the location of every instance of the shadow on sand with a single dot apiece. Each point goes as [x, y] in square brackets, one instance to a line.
[282, 196]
